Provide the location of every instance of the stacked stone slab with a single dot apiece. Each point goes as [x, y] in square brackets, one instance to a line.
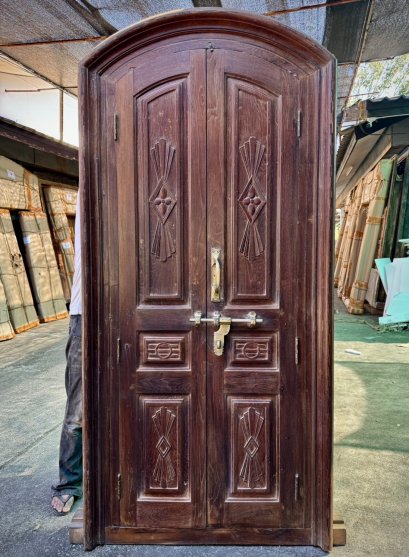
[61, 203]
[13, 276]
[42, 266]
[6, 329]
[19, 189]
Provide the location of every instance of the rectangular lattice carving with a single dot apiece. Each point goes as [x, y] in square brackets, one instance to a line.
[253, 350]
[253, 436]
[165, 446]
[167, 349]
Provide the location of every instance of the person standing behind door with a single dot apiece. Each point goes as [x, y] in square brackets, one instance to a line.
[69, 486]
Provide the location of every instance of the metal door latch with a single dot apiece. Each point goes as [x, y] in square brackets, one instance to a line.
[222, 324]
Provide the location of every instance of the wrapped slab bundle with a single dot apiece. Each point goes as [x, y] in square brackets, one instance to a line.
[61, 199]
[33, 191]
[14, 278]
[42, 267]
[19, 189]
[6, 329]
[61, 203]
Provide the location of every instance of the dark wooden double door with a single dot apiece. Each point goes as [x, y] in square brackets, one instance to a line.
[206, 147]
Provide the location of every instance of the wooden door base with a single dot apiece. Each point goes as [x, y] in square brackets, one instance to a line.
[339, 531]
[243, 536]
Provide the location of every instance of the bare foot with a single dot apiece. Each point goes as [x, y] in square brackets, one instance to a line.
[62, 504]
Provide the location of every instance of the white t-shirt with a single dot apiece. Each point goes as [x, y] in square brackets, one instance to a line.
[76, 292]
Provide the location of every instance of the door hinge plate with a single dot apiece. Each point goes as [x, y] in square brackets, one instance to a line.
[118, 350]
[116, 127]
[296, 487]
[118, 486]
[297, 350]
[299, 123]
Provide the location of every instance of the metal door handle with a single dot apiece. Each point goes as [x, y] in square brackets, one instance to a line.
[223, 324]
[215, 295]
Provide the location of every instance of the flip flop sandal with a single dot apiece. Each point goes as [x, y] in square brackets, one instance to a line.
[67, 500]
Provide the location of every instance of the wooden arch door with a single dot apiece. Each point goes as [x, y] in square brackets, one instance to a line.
[206, 172]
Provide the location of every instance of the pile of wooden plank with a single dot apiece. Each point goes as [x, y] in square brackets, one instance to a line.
[376, 219]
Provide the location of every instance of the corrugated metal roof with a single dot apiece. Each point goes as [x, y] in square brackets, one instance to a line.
[374, 119]
[378, 108]
[340, 27]
[388, 31]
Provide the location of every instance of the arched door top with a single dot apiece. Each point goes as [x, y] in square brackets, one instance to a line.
[305, 53]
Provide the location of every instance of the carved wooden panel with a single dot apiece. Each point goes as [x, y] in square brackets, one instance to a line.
[162, 200]
[251, 199]
[255, 350]
[253, 177]
[167, 349]
[253, 466]
[165, 446]
[161, 183]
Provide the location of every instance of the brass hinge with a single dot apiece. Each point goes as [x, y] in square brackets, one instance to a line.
[299, 123]
[296, 350]
[296, 487]
[118, 350]
[116, 126]
[118, 486]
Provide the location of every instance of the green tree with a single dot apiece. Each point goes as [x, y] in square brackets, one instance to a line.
[381, 78]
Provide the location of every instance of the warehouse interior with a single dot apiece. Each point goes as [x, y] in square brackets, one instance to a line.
[41, 45]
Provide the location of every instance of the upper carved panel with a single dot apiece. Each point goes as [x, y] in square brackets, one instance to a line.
[252, 132]
[161, 148]
[251, 199]
[162, 200]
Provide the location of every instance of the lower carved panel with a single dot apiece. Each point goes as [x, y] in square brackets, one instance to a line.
[166, 448]
[253, 448]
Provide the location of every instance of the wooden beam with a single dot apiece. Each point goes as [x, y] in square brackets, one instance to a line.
[36, 140]
[53, 41]
[311, 7]
[207, 3]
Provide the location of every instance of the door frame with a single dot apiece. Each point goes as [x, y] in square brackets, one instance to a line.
[100, 288]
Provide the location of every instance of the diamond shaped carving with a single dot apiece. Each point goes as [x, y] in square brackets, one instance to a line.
[164, 471]
[251, 199]
[163, 446]
[251, 423]
[251, 447]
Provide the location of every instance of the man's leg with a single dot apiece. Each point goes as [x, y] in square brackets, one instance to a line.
[70, 483]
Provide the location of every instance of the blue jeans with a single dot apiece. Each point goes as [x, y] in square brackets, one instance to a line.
[70, 463]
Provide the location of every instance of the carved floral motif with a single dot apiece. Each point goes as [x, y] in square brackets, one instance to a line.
[162, 200]
[251, 200]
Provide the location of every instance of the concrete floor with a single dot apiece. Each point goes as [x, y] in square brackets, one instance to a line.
[371, 455]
